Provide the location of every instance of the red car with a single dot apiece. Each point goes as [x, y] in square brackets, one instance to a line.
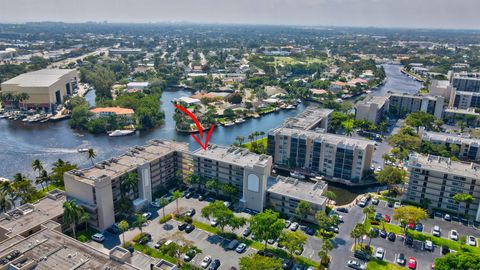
[412, 263]
[387, 218]
[411, 226]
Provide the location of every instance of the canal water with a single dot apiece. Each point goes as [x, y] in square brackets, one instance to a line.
[20, 143]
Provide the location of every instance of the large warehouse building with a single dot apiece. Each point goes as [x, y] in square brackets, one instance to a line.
[46, 88]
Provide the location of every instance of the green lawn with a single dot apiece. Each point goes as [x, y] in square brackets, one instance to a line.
[263, 141]
[382, 265]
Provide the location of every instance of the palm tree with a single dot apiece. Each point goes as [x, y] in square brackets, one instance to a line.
[42, 179]
[83, 216]
[177, 194]
[129, 182]
[372, 234]
[123, 226]
[91, 155]
[6, 201]
[240, 140]
[369, 210]
[327, 246]
[71, 214]
[21, 97]
[37, 166]
[163, 202]
[139, 221]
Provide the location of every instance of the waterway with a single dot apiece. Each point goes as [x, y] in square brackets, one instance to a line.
[20, 143]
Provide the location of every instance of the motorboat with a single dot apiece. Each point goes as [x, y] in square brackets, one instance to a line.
[82, 150]
[241, 120]
[297, 175]
[118, 133]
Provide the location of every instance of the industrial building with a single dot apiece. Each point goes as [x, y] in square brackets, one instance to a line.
[435, 180]
[338, 158]
[46, 88]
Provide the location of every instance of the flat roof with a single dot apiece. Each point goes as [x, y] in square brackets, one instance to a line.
[419, 96]
[49, 249]
[300, 190]
[307, 119]
[39, 78]
[324, 137]
[379, 100]
[115, 110]
[28, 216]
[233, 155]
[448, 138]
[131, 160]
[461, 111]
[445, 165]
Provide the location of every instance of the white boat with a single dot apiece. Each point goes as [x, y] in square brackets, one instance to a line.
[297, 175]
[241, 120]
[118, 133]
[82, 150]
[289, 107]
[228, 124]
[299, 101]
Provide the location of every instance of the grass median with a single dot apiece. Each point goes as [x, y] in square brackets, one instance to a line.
[382, 265]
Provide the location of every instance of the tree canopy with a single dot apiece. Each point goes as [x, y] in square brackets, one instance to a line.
[266, 225]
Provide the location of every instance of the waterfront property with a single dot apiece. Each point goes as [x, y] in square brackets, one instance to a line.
[123, 115]
[46, 88]
[465, 100]
[435, 180]
[338, 158]
[310, 119]
[246, 171]
[156, 167]
[402, 104]
[468, 148]
[27, 219]
[284, 194]
[464, 81]
[441, 88]
[372, 109]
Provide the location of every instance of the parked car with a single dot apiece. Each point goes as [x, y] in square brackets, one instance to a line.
[310, 231]
[411, 225]
[390, 204]
[359, 254]
[98, 237]
[287, 223]
[182, 226]
[362, 203]
[387, 218]
[155, 203]
[214, 265]
[247, 232]
[383, 233]
[114, 229]
[189, 228]
[376, 230]
[287, 264]
[472, 241]
[160, 243]
[428, 245]
[241, 248]
[419, 227]
[232, 245]
[333, 229]
[342, 209]
[375, 201]
[190, 213]
[397, 205]
[408, 240]
[378, 216]
[145, 239]
[214, 222]
[189, 255]
[355, 264]
[445, 250]
[299, 251]
[447, 217]
[271, 241]
[188, 195]
[436, 231]
[294, 226]
[206, 261]
[379, 253]
[401, 259]
[453, 235]
[265, 252]
[392, 236]
[412, 263]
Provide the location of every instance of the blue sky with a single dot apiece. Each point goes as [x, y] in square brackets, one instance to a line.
[377, 13]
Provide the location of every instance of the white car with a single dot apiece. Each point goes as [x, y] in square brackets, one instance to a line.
[379, 253]
[397, 205]
[436, 231]
[375, 201]
[472, 241]
[98, 237]
[214, 222]
[206, 261]
[428, 245]
[147, 215]
[453, 235]
[155, 203]
[362, 203]
[294, 226]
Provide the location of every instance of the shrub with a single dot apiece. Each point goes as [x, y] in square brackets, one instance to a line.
[165, 219]
[82, 238]
[137, 237]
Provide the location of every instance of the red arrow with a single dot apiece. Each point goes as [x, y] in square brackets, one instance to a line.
[199, 127]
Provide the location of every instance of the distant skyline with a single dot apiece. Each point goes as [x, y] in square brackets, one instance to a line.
[449, 14]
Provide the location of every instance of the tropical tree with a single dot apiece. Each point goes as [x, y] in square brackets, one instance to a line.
[43, 179]
[420, 119]
[258, 262]
[372, 234]
[37, 166]
[348, 127]
[229, 190]
[369, 210]
[60, 167]
[357, 233]
[391, 176]
[83, 216]
[292, 241]
[266, 225]
[327, 246]
[91, 155]
[163, 202]
[409, 214]
[71, 214]
[123, 227]
[213, 184]
[22, 188]
[6, 201]
[303, 209]
[139, 221]
[129, 183]
[223, 215]
[458, 260]
[177, 194]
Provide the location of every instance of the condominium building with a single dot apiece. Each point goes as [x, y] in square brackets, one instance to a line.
[46, 88]
[337, 158]
[26, 219]
[465, 81]
[372, 109]
[435, 180]
[402, 104]
[284, 194]
[441, 88]
[465, 100]
[310, 119]
[468, 148]
[157, 167]
[454, 115]
[238, 167]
